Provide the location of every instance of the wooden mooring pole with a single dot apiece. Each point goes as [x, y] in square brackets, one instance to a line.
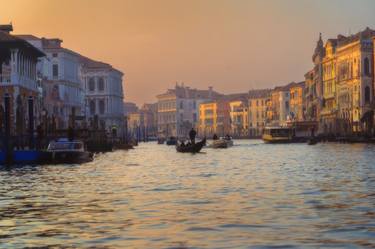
[7, 143]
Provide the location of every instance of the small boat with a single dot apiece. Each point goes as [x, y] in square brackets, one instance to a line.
[66, 151]
[171, 141]
[161, 140]
[222, 143]
[312, 141]
[191, 148]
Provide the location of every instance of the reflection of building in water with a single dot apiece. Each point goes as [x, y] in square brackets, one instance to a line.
[18, 81]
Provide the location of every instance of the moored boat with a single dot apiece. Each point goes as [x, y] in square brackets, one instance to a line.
[191, 148]
[67, 152]
[161, 140]
[171, 141]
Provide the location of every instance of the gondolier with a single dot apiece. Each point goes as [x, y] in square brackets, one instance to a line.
[192, 135]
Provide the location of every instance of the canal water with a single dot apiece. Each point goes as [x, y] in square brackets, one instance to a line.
[252, 195]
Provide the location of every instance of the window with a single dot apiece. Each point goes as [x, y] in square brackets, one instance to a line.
[367, 67]
[91, 84]
[101, 84]
[181, 105]
[367, 95]
[194, 117]
[55, 70]
[287, 104]
[54, 55]
[101, 106]
[92, 107]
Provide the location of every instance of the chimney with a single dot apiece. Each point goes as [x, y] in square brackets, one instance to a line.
[6, 28]
[210, 92]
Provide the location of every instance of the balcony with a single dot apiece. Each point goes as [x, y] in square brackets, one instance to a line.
[18, 80]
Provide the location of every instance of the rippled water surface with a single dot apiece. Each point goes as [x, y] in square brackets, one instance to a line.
[252, 195]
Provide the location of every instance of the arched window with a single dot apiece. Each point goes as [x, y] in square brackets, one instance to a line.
[367, 94]
[367, 67]
[91, 84]
[101, 84]
[101, 106]
[92, 107]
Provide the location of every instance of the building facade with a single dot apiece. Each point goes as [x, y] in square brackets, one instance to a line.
[297, 97]
[214, 118]
[260, 112]
[63, 89]
[178, 109]
[239, 118]
[104, 95]
[19, 90]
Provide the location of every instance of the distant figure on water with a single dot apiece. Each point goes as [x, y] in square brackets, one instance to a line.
[192, 135]
[215, 137]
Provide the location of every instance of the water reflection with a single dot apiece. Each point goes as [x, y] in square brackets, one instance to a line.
[252, 195]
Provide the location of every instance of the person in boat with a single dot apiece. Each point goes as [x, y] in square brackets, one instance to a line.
[227, 137]
[215, 137]
[192, 135]
[183, 144]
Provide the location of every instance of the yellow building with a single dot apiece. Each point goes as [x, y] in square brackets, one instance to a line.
[297, 107]
[329, 113]
[214, 118]
[260, 112]
[354, 80]
[239, 118]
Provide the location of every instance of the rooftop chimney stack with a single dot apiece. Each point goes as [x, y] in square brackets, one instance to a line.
[6, 28]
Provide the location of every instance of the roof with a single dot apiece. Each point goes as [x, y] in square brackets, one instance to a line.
[365, 34]
[193, 93]
[288, 86]
[259, 93]
[28, 37]
[6, 27]
[97, 65]
[11, 41]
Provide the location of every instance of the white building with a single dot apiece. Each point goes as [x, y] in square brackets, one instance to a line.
[61, 81]
[178, 109]
[104, 95]
[18, 83]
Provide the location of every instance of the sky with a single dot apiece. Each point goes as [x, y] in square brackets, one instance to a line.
[232, 45]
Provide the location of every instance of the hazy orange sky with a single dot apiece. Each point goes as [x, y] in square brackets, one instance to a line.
[232, 45]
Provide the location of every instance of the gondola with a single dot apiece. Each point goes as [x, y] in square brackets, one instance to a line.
[312, 141]
[191, 148]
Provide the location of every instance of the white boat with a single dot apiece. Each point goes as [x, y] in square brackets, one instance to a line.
[223, 142]
[66, 151]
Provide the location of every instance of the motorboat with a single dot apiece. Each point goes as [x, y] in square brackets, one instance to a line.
[171, 141]
[222, 143]
[277, 135]
[190, 147]
[66, 151]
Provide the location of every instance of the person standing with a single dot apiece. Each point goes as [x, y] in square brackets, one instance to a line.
[192, 135]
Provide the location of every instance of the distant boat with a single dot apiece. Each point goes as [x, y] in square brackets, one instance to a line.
[277, 135]
[222, 143]
[66, 151]
[171, 141]
[161, 140]
[191, 148]
[312, 141]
